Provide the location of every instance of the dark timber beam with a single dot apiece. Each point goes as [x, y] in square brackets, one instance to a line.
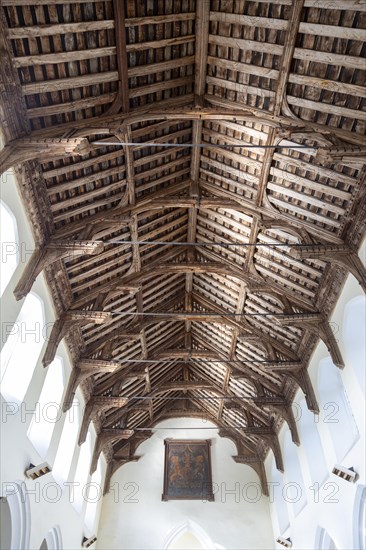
[52, 252]
[83, 370]
[104, 438]
[123, 101]
[317, 324]
[44, 150]
[217, 109]
[67, 322]
[341, 255]
[96, 405]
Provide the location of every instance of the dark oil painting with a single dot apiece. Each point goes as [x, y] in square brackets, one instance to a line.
[187, 471]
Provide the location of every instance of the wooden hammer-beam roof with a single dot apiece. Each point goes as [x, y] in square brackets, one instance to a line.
[144, 229]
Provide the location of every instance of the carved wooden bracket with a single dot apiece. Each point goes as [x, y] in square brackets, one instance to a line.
[106, 343]
[302, 378]
[67, 322]
[96, 405]
[131, 446]
[286, 412]
[52, 252]
[42, 149]
[105, 437]
[341, 255]
[258, 466]
[352, 155]
[270, 437]
[315, 323]
[82, 371]
[248, 456]
[113, 466]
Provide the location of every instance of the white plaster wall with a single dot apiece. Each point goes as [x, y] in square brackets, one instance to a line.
[49, 506]
[332, 506]
[144, 521]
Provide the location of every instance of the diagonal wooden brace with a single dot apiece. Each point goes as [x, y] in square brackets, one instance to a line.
[103, 439]
[67, 322]
[285, 410]
[315, 323]
[95, 405]
[32, 148]
[83, 370]
[257, 464]
[302, 378]
[341, 255]
[52, 252]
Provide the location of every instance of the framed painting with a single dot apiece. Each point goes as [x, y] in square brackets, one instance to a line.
[187, 470]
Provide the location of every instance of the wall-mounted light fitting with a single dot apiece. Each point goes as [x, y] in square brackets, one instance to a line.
[35, 472]
[88, 542]
[348, 474]
[287, 543]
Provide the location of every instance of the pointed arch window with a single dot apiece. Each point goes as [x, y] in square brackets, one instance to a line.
[323, 540]
[359, 518]
[94, 495]
[9, 246]
[279, 498]
[48, 408]
[294, 490]
[66, 447]
[337, 412]
[82, 473]
[310, 438]
[353, 331]
[22, 349]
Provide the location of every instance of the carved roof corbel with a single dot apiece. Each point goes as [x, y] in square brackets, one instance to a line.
[352, 155]
[112, 468]
[303, 380]
[341, 254]
[96, 405]
[286, 412]
[258, 466]
[247, 456]
[267, 434]
[317, 324]
[24, 149]
[104, 438]
[83, 370]
[68, 321]
[52, 252]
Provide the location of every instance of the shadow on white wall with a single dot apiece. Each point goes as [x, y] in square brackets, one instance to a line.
[323, 541]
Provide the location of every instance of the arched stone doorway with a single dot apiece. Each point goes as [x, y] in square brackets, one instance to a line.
[15, 524]
[190, 536]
